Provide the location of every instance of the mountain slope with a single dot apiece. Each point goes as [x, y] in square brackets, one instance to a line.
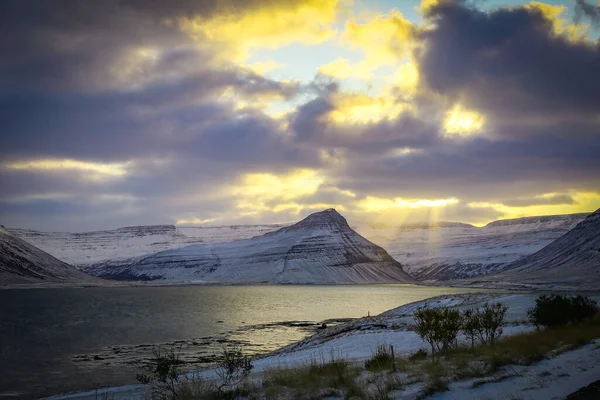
[321, 249]
[572, 258]
[458, 252]
[21, 262]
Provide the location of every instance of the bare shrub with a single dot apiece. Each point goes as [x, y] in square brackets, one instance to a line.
[233, 367]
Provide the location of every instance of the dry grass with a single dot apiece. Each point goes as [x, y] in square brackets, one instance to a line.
[313, 380]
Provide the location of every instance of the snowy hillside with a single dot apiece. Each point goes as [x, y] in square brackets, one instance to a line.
[88, 248]
[322, 249]
[453, 252]
[20, 262]
[574, 258]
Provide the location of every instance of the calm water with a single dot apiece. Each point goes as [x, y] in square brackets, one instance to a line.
[60, 340]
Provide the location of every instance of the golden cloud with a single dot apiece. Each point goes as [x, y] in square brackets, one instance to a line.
[92, 170]
[375, 204]
[359, 108]
[462, 122]
[270, 26]
[582, 202]
[562, 26]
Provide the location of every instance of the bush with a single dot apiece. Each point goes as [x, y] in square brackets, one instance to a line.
[439, 327]
[556, 310]
[472, 327]
[164, 372]
[485, 324]
[381, 360]
[492, 322]
[233, 367]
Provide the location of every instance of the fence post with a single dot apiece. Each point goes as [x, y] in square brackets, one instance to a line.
[393, 360]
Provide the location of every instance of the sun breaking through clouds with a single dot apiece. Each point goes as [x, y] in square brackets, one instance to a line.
[232, 111]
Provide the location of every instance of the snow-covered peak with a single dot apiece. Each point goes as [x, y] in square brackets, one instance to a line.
[328, 219]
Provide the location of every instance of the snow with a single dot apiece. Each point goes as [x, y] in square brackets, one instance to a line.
[551, 379]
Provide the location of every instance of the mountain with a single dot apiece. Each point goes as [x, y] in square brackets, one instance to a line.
[320, 249]
[565, 218]
[458, 252]
[21, 262]
[574, 258]
[122, 244]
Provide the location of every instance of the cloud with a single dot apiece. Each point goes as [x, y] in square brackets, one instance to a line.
[550, 198]
[121, 114]
[270, 25]
[509, 63]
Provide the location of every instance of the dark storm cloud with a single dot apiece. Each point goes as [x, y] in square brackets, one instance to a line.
[71, 45]
[509, 63]
[115, 126]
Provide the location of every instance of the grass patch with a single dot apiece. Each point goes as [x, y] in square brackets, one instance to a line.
[381, 360]
[313, 380]
[420, 354]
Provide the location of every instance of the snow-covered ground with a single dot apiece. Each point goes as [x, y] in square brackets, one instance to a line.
[357, 340]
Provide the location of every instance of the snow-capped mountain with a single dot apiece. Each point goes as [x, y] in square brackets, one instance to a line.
[115, 246]
[21, 262]
[449, 251]
[320, 249]
[574, 258]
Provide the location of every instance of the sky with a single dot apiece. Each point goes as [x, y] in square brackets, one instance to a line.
[218, 112]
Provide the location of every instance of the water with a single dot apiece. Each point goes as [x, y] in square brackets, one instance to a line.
[60, 340]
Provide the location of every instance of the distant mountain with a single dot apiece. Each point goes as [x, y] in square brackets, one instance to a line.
[567, 218]
[574, 258]
[21, 262]
[320, 249]
[459, 252]
[119, 245]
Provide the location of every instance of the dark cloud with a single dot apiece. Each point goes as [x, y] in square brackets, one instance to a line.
[509, 63]
[583, 9]
[311, 125]
[536, 201]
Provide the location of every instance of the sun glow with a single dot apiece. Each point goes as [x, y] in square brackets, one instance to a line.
[93, 170]
[582, 202]
[462, 122]
[356, 108]
[374, 204]
[269, 26]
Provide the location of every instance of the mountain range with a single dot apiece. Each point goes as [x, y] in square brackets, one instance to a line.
[323, 248]
[320, 249]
